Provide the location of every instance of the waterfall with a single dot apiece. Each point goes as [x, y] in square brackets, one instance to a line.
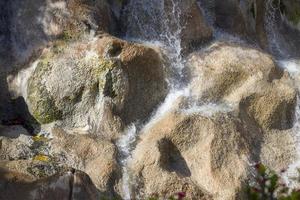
[148, 22]
[292, 66]
[18, 84]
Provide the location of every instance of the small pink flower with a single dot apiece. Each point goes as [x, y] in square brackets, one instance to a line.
[181, 195]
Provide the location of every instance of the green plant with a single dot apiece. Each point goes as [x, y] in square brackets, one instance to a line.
[268, 185]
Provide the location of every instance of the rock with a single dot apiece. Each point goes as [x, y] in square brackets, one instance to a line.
[48, 20]
[33, 169]
[131, 76]
[194, 29]
[274, 108]
[230, 71]
[240, 75]
[96, 157]
[206, 154]
[69, 184]
[12, 131]
[278, 149]
[291, 9]
[14, 149]
[280, 35]
[229, 16]
[163, 22]
[39, 157]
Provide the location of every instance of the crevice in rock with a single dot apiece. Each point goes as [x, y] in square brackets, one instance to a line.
[171, 158]
[71, 183]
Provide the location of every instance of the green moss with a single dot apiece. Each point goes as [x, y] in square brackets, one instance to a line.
[294, 17]
[70, 35]
[101, 70]
[43, 106]
[45, 111]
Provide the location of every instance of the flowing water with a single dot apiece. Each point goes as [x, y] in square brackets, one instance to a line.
[148, 22]
[292, 66]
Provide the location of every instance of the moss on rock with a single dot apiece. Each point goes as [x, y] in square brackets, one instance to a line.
[42, 104]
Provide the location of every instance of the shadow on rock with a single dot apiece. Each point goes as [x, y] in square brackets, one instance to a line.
[22, 117]
[171, 158]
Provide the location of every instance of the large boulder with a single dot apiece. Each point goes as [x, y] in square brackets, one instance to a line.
[246, 77]
[41, 157]
[96, 157]
[227, 71]
[75, 82]
[204, 156]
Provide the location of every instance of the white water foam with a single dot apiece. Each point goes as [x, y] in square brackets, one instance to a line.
[18, 84]
[293, 67]
[125, 144]
[209, 109]
[148, 22]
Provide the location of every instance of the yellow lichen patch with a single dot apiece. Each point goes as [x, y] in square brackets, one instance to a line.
[42, 158]
[39, 138]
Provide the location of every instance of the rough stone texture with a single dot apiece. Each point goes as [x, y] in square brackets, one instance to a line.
[39, 157]
[33, 24]
[228, 71]
[194, 29]
[14, 149]
[182, 19]
[69, 184]
[107, 68]
[229, 16]
[207, 156]
[96, 157]
[231, 74]
[210, 152]
[274, 108]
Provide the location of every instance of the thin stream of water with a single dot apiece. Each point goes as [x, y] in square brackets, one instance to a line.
[148, 21]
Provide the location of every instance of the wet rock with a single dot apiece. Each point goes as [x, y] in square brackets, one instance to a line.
[33, 24]
[165, 19]
[291, 9]
[194, 29]
[13, 131]
[229, 16]
[131, 76]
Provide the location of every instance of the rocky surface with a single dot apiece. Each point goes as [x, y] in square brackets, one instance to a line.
[70, 184]
[105, 68]
[136, 99]
[33, 24]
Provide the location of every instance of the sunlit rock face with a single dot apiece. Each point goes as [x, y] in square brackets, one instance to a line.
[73, 80]
[132, 99]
